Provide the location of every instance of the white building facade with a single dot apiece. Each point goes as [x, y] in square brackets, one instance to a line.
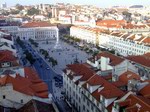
[38, 31]
[125, 43]
[88, 34]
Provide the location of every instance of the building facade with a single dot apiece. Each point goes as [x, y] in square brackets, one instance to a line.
[125, 43]
[38, 31]
[87, 34]
[104, 83]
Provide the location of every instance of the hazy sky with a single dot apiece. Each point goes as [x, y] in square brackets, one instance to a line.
[100, 3]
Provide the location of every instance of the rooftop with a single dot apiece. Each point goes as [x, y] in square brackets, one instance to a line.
[81, 70]
[114, 60]
[109, 90]
[145, 91]
[134, 104]
[7, 56]
[112, 23]
[28, 85]
[141, 59]
[37, 24]
[34, 106]
[128, 75]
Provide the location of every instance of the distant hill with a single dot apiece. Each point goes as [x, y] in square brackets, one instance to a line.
[136, 6]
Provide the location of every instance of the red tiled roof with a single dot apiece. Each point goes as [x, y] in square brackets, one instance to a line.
[109, 90]
[26, 85]
[128, 26]
[146, 100]
[128, 75]
[108, 77]
[132, 102]
[31, 74]
[147, 55]
[96, 80]
[81, 70]
[119, 83]
[142, 59]
[111, 23]
[145, 91]
[132, 26]
[124, 103]
[114, 60]
[146, 40]
[7, 56]
[37, 24]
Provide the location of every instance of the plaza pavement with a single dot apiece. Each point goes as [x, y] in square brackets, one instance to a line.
[65, 56]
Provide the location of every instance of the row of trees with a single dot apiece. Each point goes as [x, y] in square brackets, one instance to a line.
[33, 11]
[68, 37]
[33, 42]
[20, 42]
[50, 59]
[29, 57]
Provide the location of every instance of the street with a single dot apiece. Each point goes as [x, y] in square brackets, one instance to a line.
[47, 75]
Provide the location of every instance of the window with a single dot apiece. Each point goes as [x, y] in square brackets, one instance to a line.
[83, 107]
[88, 103]
[92, 107]
[83, 98]
[21, 100]
[4, 96]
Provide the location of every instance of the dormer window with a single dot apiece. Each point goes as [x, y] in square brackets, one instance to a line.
[7, 64]
[4, 96]
[21, 100]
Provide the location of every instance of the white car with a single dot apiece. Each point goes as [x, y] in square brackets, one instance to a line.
[47, 68]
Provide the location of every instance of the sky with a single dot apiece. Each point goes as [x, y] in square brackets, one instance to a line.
[99, 3]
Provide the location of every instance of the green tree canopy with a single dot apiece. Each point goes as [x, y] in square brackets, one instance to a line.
[33, 11]
[19, 7]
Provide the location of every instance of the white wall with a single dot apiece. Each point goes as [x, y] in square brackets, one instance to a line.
[104, 64]
[39, 33]
[12, 97]
[109, 101]
[122, 46]
[10, 29]
[123, 67]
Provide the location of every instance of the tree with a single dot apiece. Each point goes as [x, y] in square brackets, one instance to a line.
[127, 14]
[33, 11]
[15, 11]
[5, 13]
[19, 7]
[33, 42]
[20, 42]
[29, 57]
[49, 15]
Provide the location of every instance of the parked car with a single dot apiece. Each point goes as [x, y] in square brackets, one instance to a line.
[47, 68]
[57, 78]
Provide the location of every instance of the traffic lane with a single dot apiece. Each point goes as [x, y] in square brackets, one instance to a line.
[45, 75]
